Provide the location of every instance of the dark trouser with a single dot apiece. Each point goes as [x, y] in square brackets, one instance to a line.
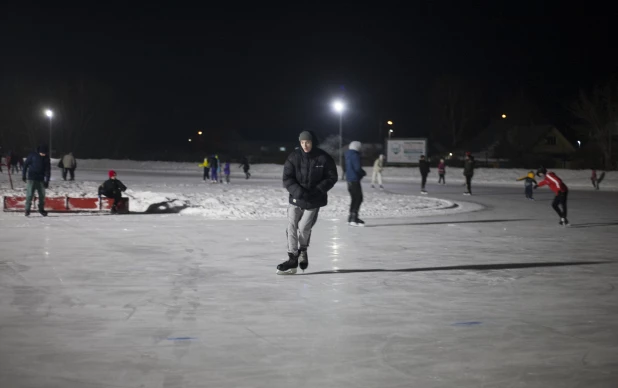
[117, 195]
[213, 175]
[14, 168]
[206, 175]
[31, 187]
[356, 193]
[441, 179]
[561, 199]
[227, 178]
[69, 170]
[423, 181]
[529, 191]
[247, 174]
[469, 183]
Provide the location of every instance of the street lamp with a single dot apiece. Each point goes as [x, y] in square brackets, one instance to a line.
[49, 113]
[339, 107]
[389, 122]
[190, 140]
[503, 116]
[579, 144]
[199, 132]
[390, 132]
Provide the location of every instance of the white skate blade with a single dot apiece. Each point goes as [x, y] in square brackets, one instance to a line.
[291, 271]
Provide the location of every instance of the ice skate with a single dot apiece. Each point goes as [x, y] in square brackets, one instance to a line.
[288, 267]
[355, 221]
[43, 213]
[303, 259]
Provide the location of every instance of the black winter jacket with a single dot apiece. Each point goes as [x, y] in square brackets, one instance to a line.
[308, 177]
[38, 167]
[111, 186]
[423, 166]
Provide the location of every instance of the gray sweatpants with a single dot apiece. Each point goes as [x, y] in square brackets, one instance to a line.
[300, 223]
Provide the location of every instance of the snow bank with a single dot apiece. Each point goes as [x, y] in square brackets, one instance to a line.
[241, 202]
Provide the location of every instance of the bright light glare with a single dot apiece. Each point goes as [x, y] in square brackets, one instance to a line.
[190, 140]
[503, 116]
[49, 113]
[450, 154]
[389, 122]
[390, 131]
[338, 106]
[199, 132]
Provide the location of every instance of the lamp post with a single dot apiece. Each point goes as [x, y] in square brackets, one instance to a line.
[390, 132]
[49, 113]
[339, 107]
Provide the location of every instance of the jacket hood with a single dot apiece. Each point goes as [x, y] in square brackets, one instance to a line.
[356, 146]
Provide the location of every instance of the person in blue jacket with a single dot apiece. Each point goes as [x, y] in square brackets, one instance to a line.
[353, 174]
[36, 174]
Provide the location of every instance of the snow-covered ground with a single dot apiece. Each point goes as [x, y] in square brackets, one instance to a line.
[178, 187]
[573, 178]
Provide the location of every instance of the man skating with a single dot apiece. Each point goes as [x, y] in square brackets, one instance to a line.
[36, 173]
[353, 174]
[308, 174]
[468, 172]
[559, 188]
[423, 166]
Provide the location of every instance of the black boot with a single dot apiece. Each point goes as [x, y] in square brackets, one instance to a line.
[358, 221]
[351, 218]
[303, 259]
[288, 267]
[43, 212]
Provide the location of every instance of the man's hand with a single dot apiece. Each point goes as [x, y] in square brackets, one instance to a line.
[536, 187]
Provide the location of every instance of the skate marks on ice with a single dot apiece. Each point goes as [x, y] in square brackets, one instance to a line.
[448, 222]
[594, 224]
[469, 267]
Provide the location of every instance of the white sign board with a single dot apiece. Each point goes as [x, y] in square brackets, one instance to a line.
[405, 150]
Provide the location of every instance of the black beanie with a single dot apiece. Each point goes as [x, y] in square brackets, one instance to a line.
[305, 135]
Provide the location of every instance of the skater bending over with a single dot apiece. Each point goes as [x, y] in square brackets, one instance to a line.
[308, 174]
[559, 188]
[112, 188]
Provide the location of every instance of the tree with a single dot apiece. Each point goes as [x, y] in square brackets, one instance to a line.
[597, 115]
[454, 106]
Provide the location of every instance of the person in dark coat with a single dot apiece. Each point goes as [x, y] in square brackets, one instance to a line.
[214, 167]
[112, 188]
[308, 174]
[353, 174]
[37, 173]
[423, 166]
[245, 167]
[468, 172]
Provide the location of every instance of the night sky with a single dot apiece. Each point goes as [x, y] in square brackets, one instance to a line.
[270, 72]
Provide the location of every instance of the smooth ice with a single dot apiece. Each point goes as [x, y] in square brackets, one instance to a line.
[500, 297]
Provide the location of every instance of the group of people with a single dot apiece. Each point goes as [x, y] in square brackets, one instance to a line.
[213, 167]
[14, 162]
[36, 173]
[424, 169]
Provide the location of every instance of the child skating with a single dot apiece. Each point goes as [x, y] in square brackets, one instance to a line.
[559, 188]
[529, 183]
[441, 172]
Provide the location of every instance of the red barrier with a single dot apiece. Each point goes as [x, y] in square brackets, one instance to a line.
[66, 204]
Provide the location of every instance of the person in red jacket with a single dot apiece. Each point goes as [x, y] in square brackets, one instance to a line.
[559, 188]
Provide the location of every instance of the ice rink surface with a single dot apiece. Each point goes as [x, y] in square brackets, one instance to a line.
[499, 297]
